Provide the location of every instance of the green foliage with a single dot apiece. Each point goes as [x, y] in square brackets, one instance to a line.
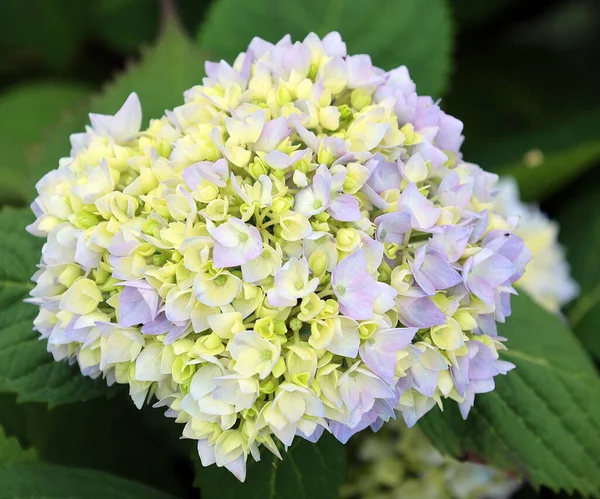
[415, 33]
[469, 13]
[579, 217]
[125, 24]
[26, 369]
[48, 29]
[543, 419]
[308, 471]
[11, 452]
[57, 482]
[160, 78]
[107, 435]
[25, 113]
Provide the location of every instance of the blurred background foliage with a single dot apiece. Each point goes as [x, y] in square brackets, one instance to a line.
[523, 76]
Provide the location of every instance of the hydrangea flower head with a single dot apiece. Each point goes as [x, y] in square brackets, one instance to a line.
[297, 248]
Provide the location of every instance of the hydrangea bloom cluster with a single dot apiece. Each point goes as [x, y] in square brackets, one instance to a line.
[402, 463]
[548, 278]
[298, 248]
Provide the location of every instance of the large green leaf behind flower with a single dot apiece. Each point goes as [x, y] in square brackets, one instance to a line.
[543, 419]
[308, 471]
[25, 113]
[109, 435]
[579, 218]
[11, 452]
[57, 482]
[414, 33]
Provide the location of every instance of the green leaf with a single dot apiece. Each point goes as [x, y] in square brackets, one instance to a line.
[25, 113]
[46, 29]
[543, 419]
[126, 24]
[414, 33]
[57, 482]
[160, 78]
[107, 435]
[308, 471]
[579, 218]
[26, 369]
[470, 14]
[11, 452]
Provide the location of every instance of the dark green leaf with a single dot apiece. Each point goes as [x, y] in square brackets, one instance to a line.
[25, 113]
[160, 78]
[543, 419]
[11, 452]
[414, 33]
[579, 217]
[469, 13]
[308, 471]
[106, 435]
[26, 369]
[44, 29]
[44, 481]
[127, 24]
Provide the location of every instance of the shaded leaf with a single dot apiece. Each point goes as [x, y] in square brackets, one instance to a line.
[308, 471]
[25, 113]
[543, 419]
[126, 24]
[414, 33]
[46, 29]
[49, 482]
[470, 13]
[107, 435]
[12, 453]
[579, 218]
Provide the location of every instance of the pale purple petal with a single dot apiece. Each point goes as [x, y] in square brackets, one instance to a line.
[137, 304]
[450, 133]
[419, 312]
[277, 159]
[124, 124]
[333, 45]
[391, 227]
[432, 271]
[345, 208]
[385, 176]
[452, 193]
[424, 213]
[354, 287]
[373, 251]
[357, 303]
[486, 271]
[452, 241]
[273, 133]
